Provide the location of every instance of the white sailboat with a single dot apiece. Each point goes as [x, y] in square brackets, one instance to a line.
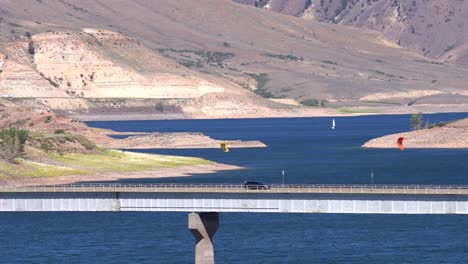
[333, 124]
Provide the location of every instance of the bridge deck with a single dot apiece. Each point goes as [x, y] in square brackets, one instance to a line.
[391, 199]
[237, 188]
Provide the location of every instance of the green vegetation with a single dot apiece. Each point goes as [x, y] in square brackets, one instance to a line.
[284, 57]
[314, 102]
[31, 49]
[98, 129]
[382, 73]
[40, 170]
[378, 72]
[161, 107]
[440, 124]
[54, 84]
[347, 110]
[30, 169]
[191, 64]
[261, 79]
[39, 162]
[416, 121]
[213, 58]
[430, 62]
[60, 142]
[120, 161]
[329, 62]
[12, 143]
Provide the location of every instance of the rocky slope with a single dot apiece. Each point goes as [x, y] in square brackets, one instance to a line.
[452, 135]
[434, 28]
[96, 64]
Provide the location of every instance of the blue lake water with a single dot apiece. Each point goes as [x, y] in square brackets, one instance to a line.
[310, 152]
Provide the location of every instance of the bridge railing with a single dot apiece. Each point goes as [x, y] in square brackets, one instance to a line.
[233, 188]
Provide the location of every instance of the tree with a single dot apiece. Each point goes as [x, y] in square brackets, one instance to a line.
[416, 121]
[12, 143]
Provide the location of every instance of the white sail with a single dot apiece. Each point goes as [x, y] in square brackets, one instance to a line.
[333, 124]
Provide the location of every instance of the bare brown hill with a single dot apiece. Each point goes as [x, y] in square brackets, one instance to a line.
[225, 46]
[433, 28]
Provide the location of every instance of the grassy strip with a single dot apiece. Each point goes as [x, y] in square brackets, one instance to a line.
[120, 161]
[98, 129]
[30, 169]
[89, 164]
[346, 110]
[40, 170]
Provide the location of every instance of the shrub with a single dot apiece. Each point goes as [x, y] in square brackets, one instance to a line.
[45, 146]
[416, 121]
[12, 143]
[86, 143]
[59, 131]
[314, 102]
[310, 102]
[329, 62]
[261, 79]
[285, 57]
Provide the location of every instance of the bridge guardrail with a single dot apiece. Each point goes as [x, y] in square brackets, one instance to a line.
[233, 188]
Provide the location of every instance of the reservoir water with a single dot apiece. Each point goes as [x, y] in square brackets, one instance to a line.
[309, 152]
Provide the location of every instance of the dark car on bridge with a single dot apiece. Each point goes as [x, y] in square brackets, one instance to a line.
[255, 185]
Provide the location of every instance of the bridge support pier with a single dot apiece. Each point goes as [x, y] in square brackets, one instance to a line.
[203, 227]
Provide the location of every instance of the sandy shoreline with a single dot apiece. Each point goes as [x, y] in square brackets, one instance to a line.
[311, 112]
[181, 171]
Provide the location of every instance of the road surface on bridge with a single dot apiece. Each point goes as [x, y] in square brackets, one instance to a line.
[239, 188]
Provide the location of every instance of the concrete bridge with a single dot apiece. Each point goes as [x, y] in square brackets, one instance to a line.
[204, 202]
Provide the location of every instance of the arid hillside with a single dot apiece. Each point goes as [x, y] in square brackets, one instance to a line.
[207, 50]
[433, 28]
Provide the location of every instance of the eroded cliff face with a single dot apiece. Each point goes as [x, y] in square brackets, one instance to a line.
[18, 77]
[101, 64]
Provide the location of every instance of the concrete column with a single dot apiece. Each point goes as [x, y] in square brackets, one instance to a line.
[203, 226]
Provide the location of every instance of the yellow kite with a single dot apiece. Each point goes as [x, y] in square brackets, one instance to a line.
[224, 147]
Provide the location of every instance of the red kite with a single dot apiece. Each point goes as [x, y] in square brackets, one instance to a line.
[400, 143]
